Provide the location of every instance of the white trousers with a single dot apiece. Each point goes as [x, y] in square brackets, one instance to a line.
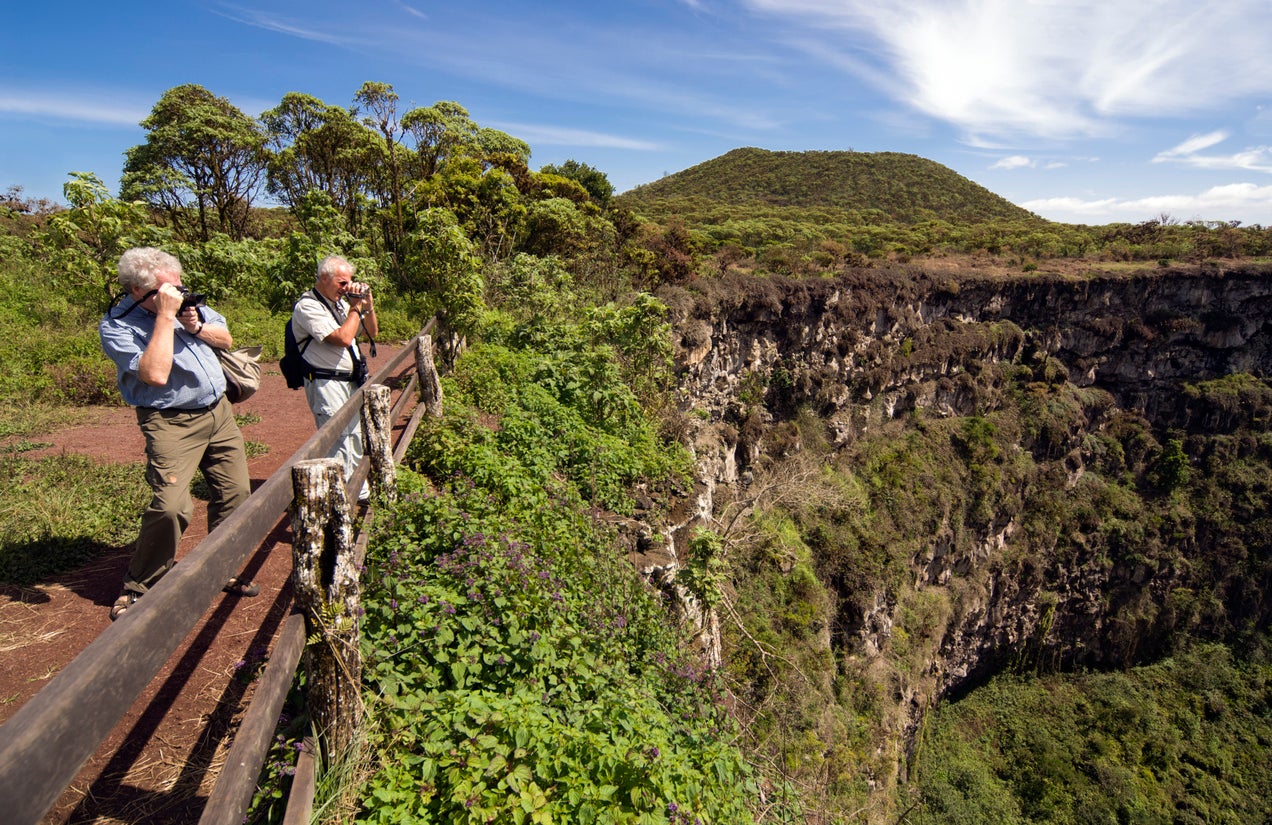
[326, 396]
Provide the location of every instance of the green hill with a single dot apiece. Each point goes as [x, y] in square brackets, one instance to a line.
[891, 186]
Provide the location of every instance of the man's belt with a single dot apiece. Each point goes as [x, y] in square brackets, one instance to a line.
[191, 410]
[331, 375]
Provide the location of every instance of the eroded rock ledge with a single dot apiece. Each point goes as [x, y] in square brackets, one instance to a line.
[867, 348]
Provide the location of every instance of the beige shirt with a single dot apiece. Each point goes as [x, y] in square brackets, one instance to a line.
[312, 318]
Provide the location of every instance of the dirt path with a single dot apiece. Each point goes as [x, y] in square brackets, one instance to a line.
[160, 762]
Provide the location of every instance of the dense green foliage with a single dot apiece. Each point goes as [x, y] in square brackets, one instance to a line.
[522, 673]
[898, 187]
[1186, 740]
[842, 534]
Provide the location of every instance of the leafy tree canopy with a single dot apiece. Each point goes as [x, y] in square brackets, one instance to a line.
[202, 163]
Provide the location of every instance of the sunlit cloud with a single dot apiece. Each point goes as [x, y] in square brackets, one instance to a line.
[1013, 162]
[1217, 203]
[1189, 153]
[1046, 69]
[1194, 144]
[71, 107]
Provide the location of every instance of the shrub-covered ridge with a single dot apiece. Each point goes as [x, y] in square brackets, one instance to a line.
[521, 671]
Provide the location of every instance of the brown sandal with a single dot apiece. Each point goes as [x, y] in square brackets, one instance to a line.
[241, 588]
[121, 605]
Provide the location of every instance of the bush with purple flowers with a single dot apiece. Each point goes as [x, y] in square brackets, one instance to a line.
[518, 669]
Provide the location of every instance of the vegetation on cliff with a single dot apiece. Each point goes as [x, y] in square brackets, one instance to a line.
[521, 672]
[860, 577]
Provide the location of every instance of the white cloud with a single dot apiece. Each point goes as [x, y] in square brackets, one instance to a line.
[1250, 201]
[1045, 68]
[1194, 144]
[1013, 162]
[75, 107]
[1188, 153]
[274, 23]
[556, 136]
[411, 10]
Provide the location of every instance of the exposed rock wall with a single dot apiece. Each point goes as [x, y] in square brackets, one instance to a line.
[842, 343]
[867, 348]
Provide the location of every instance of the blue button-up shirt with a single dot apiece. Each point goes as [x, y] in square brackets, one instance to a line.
[196, 379]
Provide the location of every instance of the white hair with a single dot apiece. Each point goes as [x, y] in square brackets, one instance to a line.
[140, 266]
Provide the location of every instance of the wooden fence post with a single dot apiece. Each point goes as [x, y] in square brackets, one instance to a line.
[430, 383]
[327, 593]
[376, 407]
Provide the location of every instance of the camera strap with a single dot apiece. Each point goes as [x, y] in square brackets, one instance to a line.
[354, 352]
[121, 296]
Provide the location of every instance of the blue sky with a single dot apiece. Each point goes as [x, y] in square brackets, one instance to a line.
[1083, 111]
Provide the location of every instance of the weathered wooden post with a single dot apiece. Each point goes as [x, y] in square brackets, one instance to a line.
[377, 406]
[327, 592]
[430, 382]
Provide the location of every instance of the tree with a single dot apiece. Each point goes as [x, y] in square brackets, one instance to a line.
[441, 132]
[594, 181]
[202, 162]
[487, 204]
[377, 104]
[317, 147]
[87, 239]
[444, 132]
[443, 263]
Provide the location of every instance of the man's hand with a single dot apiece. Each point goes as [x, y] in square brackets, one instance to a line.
[359, 297]
[168, 301]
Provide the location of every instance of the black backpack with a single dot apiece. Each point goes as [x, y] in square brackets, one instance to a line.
[292, 365]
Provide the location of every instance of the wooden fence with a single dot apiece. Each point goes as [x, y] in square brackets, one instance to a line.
[50, 738]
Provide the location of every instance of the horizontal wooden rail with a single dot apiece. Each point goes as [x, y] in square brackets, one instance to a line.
[237, 780]
[48, 740]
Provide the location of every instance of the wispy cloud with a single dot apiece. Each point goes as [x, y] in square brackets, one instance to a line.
[551, 54]
[282, 25]
[1215, 203]
[1046, 69]
[1190, 153]
[556, 136]
[1014, 162]
[411, 10]
[1194, 144]
[74, 107]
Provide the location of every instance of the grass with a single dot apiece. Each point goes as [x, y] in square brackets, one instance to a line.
[24, 419]
[62, 511]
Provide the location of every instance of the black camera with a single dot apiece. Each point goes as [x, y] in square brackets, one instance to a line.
[352, 295]
[191, 299]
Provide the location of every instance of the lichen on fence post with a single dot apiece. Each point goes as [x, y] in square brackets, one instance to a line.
[376, 423]
[328, 594]
[430, 382]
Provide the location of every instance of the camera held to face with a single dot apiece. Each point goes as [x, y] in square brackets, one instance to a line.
[191, 299]
[356, 292]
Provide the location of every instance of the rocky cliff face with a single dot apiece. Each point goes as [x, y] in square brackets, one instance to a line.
[843, 344]
[868, 349]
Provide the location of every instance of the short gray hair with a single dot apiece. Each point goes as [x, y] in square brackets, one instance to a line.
[329, 265]
[140, 266]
